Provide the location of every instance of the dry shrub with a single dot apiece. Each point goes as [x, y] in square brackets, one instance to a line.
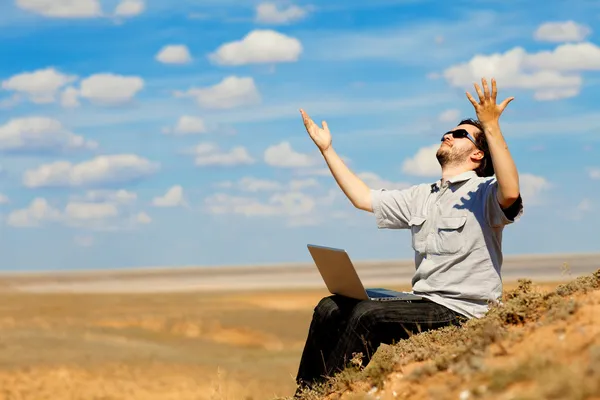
[461, 349]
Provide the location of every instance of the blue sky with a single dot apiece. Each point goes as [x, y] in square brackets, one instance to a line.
[164, 133]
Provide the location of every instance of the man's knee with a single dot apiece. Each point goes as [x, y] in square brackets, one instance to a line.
[326, 308]
[365, 314]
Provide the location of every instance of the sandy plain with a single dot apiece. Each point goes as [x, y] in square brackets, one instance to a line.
[184, 333]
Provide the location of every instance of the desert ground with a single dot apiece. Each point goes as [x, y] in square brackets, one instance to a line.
[184, 333]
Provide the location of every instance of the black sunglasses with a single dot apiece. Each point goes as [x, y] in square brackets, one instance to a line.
[459, 134]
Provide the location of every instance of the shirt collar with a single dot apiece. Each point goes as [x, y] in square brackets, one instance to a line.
[465, 176]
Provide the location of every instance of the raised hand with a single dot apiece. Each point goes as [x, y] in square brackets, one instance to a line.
[487, 110]
[321, 136]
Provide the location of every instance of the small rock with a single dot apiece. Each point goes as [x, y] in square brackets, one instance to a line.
[373, 390]
[464, 395]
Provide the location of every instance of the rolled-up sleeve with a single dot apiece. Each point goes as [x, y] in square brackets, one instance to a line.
[392, 208]
[495, 215]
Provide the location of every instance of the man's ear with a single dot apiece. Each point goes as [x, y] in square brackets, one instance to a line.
[478, 155]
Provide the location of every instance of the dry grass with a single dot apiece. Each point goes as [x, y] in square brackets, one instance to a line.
[462, 354]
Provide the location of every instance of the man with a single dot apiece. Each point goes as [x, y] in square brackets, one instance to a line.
[456, 225]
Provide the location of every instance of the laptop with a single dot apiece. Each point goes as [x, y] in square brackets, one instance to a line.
[341, 278]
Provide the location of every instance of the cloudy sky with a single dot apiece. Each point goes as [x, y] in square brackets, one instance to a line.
[163, 133]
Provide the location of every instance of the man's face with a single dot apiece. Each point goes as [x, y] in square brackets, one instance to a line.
[457, 151]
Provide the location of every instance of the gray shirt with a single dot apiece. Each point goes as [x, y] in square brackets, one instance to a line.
[457, 238]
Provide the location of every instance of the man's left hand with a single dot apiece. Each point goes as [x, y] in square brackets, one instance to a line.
[487, 110]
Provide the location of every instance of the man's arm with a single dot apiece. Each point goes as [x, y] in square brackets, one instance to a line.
[504, 166]
[392, 208]
[488, 113]
[353, 187]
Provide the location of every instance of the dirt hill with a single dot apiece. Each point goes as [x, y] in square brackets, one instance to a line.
[537, 345]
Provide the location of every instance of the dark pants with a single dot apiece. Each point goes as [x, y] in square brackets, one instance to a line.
[342, 326]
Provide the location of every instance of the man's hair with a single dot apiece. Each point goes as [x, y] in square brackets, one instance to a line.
[486, 167]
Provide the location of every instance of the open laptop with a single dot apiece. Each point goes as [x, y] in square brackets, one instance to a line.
[341, 278]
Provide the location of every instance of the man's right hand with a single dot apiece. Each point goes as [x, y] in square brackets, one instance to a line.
[321, 136]
[355, 189]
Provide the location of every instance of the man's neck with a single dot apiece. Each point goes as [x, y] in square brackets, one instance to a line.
[450, 171]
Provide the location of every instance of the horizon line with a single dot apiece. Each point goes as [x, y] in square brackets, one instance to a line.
[256, 266]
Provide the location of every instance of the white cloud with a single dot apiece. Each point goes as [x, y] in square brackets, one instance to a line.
[332, 195]
[584, 207]
[556, 94]
[107, 89]
[550, 124]
[294, 203]
[231, 92]
[130, 8]
[174, 54]
[70, 98]
[289, 204]
[284, 200]
[173, 198]
[258, 46]
[374, 181]
[62, 8]
[249, 184]
[10, 101]
[188, 125]
[269, 13]
[532, 186]
[79, 8]
[97, 171]
[449, 116]
[105, 216]
[551, 75]
[221, 203]
[253, 185]
[40, 134]
[76, 211]
[4, 199]
[39, 86]
[594, 173]
[424, 163]
[299, 184]
[38, 211]
[566, 31]
[567, 57]
[282, 155]
[142, 218]
[120, 196]
[313, 172]
[210, 154]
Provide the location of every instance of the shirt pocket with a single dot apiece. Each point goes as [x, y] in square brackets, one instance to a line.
[450, 238]
[419, 234]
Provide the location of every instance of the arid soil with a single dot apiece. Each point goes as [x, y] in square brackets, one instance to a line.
[243, 345]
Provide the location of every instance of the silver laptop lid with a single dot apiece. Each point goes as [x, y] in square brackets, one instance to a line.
[337, 271]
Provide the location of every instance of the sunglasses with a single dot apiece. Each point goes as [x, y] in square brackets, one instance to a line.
[459, 134]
